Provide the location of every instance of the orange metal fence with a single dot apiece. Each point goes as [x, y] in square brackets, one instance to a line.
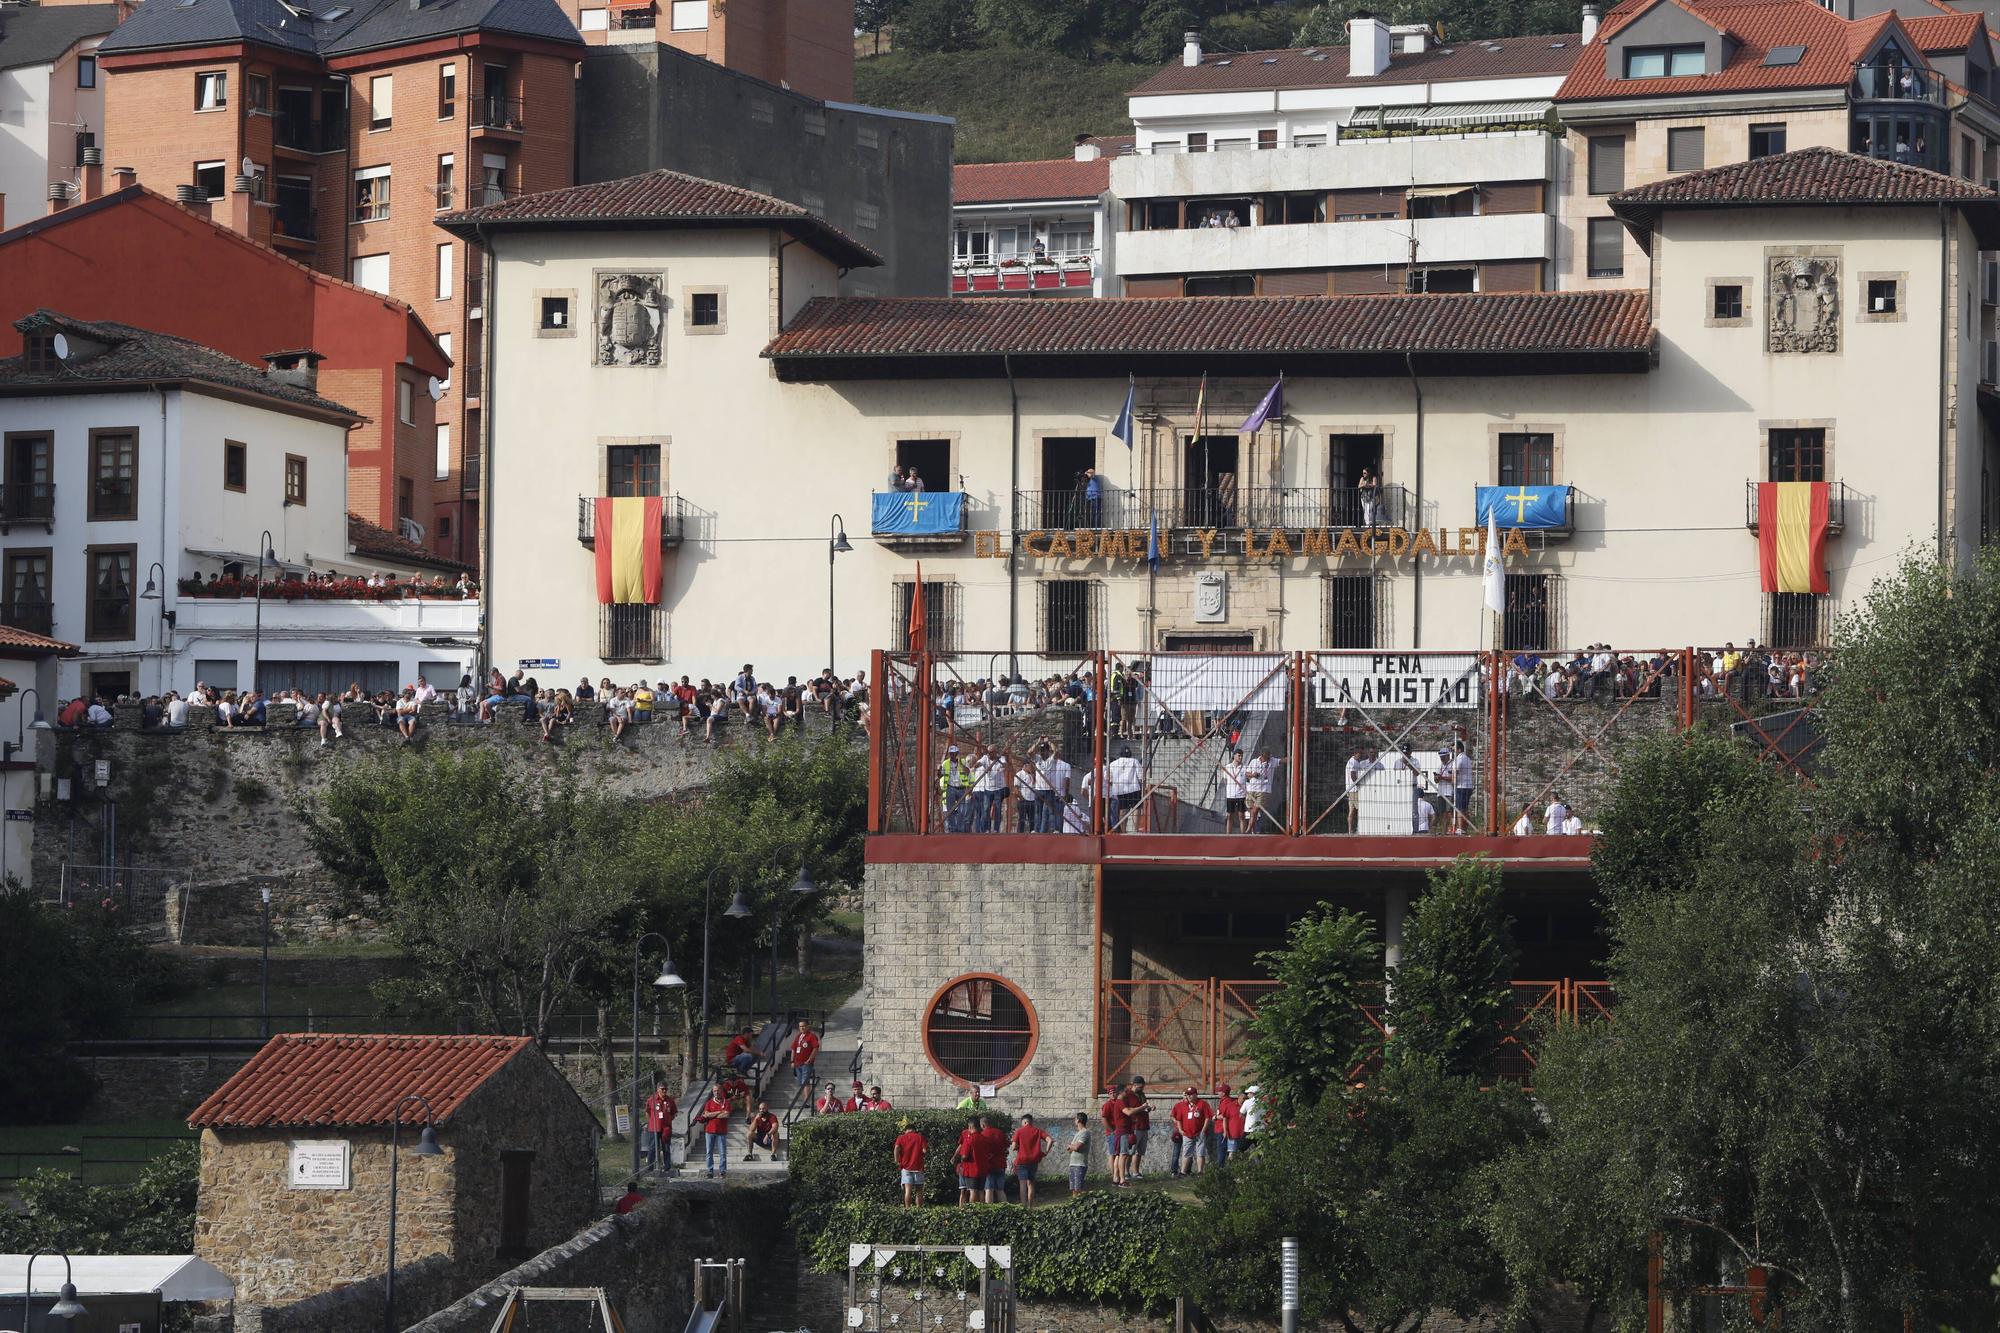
[1193, 1031]
[1298, 744]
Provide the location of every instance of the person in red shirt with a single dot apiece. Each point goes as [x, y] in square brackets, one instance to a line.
[741, 1053]
[1031, 1144]
[715, 1124]
[829, 1103]
[1229, 1126]
[763, 1133]
[1138, 1127]
[661, 1108]
[877, 1102]
[630, 1199]
[990, 1155]
[968, 1163]
[1112, 1113]
[911, 1146]
[857, 1100]
[1190, 1117]
[805, 1054]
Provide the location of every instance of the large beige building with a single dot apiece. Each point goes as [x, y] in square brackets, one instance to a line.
[1810, 318]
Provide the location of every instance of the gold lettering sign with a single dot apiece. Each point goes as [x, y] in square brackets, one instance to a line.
[1318, 541]
[1259, 544]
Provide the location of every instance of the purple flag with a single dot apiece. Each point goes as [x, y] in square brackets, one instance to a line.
[1272, 408]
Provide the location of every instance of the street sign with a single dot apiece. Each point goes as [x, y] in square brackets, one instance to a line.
[319, 1164]
[541, 664]
[23, 816]
[622, 1117]
[102, 772]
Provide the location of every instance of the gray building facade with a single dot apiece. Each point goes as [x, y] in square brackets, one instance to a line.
[883, 177]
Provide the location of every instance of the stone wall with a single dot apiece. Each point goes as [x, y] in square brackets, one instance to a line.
[155, 1087]
[928, 924]
[217, 810]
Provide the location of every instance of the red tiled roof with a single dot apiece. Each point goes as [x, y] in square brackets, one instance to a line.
[1499, 322]
[1823, 176]
[37, 644]
[371, 539]
[659, 198]
[1326, 67]
[310, 1079]
[1012, 182]
[1832, 44]
[1941, 33]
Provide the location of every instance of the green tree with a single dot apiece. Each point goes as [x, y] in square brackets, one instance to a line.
[153, 1215]
[1311, 1031]
[1450, 993]
[935, 25]
[1804, 1070]
[1385, 1189]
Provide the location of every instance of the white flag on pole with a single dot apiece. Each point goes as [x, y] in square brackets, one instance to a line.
[1494, 570]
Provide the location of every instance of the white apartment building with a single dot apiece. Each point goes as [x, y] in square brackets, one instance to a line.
[138, 468]
[51, 101]
[1400, 162]
[1035, 228]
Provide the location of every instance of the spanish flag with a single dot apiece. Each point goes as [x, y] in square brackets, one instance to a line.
[628, 549]
[1791, 535]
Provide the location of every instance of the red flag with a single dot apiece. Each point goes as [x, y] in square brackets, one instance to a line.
[920, 630]
[626, 534]
[1791, 535]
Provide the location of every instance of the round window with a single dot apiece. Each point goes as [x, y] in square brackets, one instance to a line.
[979, 1029]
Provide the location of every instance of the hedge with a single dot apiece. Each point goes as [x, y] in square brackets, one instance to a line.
[840, 1158]
[1099, 1246]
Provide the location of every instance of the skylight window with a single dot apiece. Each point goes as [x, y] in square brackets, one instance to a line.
[1784, 55]
[337, 12]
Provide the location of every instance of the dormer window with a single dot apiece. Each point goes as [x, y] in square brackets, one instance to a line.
[1665, 62]
[41, 353]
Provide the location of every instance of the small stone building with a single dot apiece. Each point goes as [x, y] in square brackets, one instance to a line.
[295, 1160]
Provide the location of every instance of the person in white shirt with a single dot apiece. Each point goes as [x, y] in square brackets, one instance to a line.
[425, 690]
[1525, 825]
[989, 790]
[1556, 816]
[1253, 1109]
[1359, 765]
[1420, 814]
[1027, 797]
[1462, 777]
[201, 698]
[177, 711]
[1121, 786]
[1445, 786]
[98, 715]
[1573, 826]
[1257, 778]
[1074, 818]
[1232, 792]
[1054, 779]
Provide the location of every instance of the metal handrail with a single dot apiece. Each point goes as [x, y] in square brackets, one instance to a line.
[673, 520]
[1837, 493]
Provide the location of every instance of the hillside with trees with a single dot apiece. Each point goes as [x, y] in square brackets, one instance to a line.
[1024, 77]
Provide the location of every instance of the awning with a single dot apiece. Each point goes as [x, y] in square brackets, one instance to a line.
[174, 1277]
[1487, 113]
[631, 4]
[1439, 191]
[1402, 115]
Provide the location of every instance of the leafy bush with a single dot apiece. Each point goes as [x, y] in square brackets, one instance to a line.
[1099, 1246]
[153, 1215]
[838, 1159]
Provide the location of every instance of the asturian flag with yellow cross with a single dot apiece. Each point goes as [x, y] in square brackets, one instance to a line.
[1528, 507]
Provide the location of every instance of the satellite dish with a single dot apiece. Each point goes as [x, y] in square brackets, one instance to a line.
[61, 345]
[249, 168]
[434, 387]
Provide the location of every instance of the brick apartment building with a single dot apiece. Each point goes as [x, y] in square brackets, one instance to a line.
[135, 257]
[806, 46]
[334, 134]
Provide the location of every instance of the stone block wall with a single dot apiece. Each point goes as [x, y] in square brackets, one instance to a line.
[1033, 925]
[215, 809]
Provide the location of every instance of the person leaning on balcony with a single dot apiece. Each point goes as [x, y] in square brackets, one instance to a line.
[1370, 493]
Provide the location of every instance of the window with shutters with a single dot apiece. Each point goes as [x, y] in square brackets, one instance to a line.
[1529, 622]
[942, 615]
[235, 466]
[114, 475]
[1686, 148]
[295, 479]
[1071, 615]
[1607, 248]
[1607, 163]
[109, 608]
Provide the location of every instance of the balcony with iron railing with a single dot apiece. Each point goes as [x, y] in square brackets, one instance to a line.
[1049, 271]
[305, 134]
[295, 225]
[493, 113]
[1837, 495]
[673, 519]
[1290, 507]
[28, 502]
[36, 617]
[1897, 83]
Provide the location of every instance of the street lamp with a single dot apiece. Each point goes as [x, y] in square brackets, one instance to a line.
[427, 1146]
[264, 550]
[737, 909]
[67, 1306]
[802, 887]
[264, 968]
[667, 980]
[156, 592]
[837, 544]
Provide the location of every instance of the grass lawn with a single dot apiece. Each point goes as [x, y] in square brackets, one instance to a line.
[99, 1157]
[1009, 108]
[233, 1010]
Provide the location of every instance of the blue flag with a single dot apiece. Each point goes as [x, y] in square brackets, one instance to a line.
[1122, 428]
[1272, 408]
[917, 513]
[1527, 507]
[1153, 543]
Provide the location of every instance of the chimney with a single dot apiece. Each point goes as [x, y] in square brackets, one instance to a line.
[298, 369]
[1367, 46]
[1592, 13]
[59, 195]
[1190, 49]
[1087, 149]
[93, 173]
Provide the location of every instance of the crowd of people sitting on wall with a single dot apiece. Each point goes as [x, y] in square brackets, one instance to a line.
[1599, 673]
[315, 585]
